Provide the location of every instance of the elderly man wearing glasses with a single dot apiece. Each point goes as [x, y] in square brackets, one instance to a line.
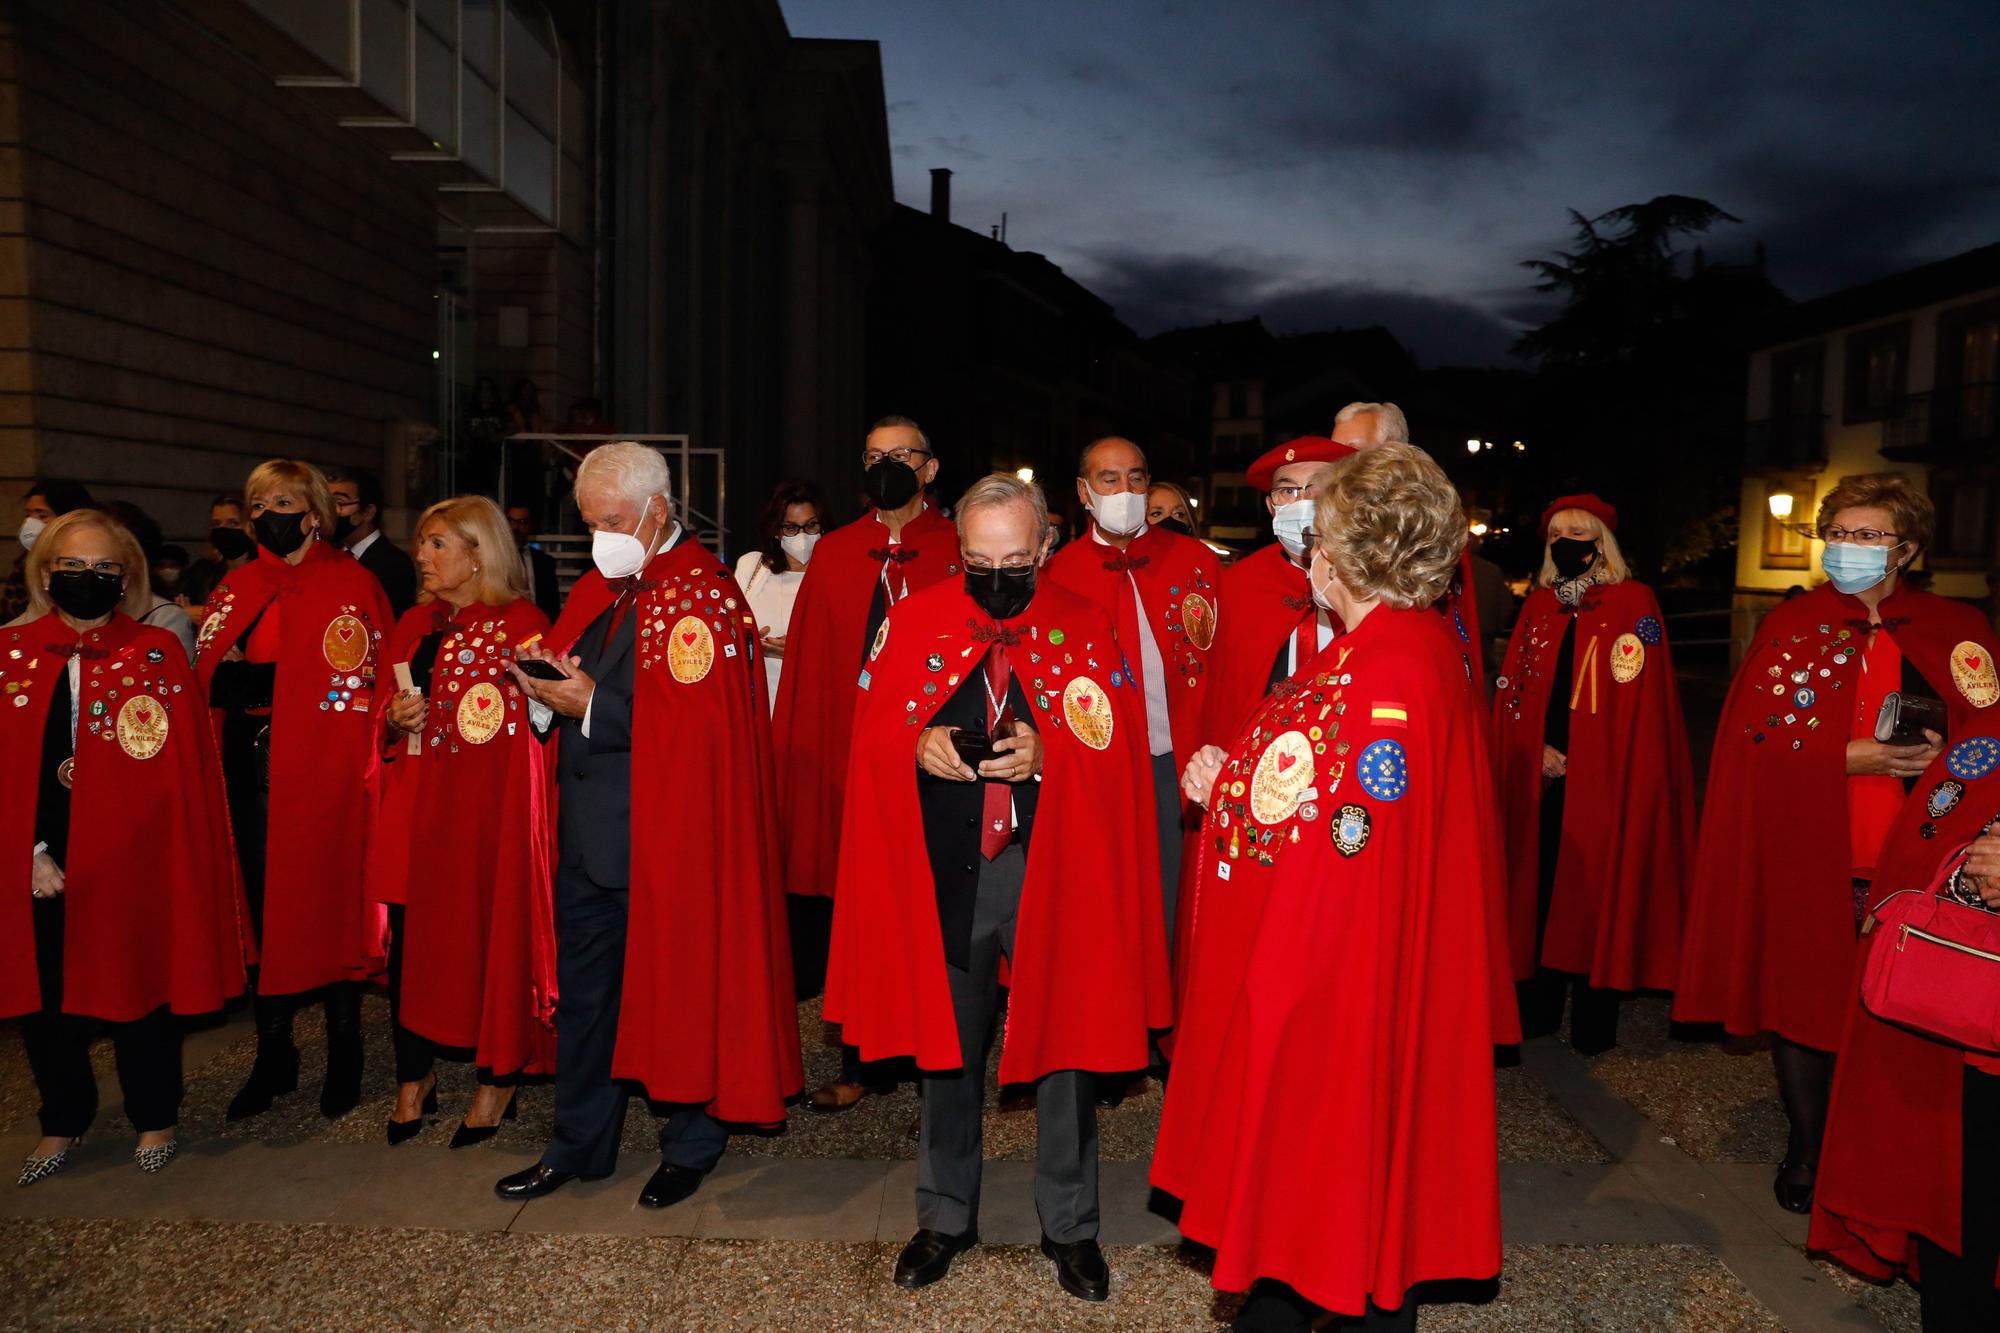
[858, 572]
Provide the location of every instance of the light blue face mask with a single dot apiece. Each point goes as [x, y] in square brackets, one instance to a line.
[1289, 523]
[1855, 568]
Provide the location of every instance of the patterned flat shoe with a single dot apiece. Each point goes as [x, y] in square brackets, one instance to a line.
[35, 1169]
[156, 1157]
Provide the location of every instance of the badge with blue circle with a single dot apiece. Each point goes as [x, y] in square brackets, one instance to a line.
[1973, 758]
[1384, 771]
[1803, 697]
[1649, 630]
[1458, 623]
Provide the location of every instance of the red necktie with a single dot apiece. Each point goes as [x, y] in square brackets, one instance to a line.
[997, 817]
[1305, 640]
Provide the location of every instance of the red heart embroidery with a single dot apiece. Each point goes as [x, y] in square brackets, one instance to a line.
[688, 638]
[482, 702]
[143, 714]
[1629, 649]
[1084, 701]
[1973, 662]
[1285, 761]
[345, 631]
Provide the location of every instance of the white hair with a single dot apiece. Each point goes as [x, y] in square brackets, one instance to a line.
[637, 472]
[1391, 426]
[998, 489]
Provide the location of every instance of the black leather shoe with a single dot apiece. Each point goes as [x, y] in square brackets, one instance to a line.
[1794, 1187]
[928, 1257]
[1080, 1268]
[402, 1131]
[669, 1185]
[468, 1134]
[341, 1092]
[275, 1073]
[536, 1181]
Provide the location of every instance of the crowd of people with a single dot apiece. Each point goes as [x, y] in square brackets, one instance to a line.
[1255, 830]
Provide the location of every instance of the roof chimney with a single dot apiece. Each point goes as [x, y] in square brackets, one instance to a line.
[941, 193]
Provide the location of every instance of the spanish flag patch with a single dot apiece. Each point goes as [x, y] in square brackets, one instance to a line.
[1389, 715]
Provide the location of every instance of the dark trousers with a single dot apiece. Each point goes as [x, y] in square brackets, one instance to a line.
[148, 1050]
[1593, 1013]
[1958, 1289]
[590, 980]
[416, 1055]
[1167, 806]
[950, 1142]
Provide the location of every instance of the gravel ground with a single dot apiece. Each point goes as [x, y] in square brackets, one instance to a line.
[1719, 1101]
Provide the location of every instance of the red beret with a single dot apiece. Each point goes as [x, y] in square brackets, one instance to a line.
[1305, 449]
[1589, 504]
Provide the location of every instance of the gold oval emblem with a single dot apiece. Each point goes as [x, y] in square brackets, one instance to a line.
[1972, 671]
[142, 726]
[1628, 658]
[1088, 712]
[690, 649]
[345, 643]
[480, 711]
[209, 629]
[881, 638]
[1283, 773]
[1199, 617]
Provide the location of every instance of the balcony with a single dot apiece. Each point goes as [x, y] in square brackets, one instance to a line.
[1960, 424]
[1794, 441]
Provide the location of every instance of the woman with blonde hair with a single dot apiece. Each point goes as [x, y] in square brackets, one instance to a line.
[1348, 880]
[461, 851]
[1595, 871]
[137, 917]
[286, 655]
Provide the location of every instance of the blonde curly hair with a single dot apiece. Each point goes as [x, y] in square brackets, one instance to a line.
[1390, 525]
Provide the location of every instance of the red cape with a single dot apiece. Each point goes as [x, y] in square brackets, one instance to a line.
[1177, 578]
[1628, 811]
[153, 909]
[813, 719]
[463, 840]
[1769, 943]
[708, 1015]
[1089, 975]
[1891, 1168]
[1330, 1121]
[1460, 608]
[1268, 600]
[319, 926]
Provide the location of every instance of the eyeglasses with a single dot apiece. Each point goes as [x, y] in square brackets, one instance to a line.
[904, 456]
[1011, 562]
[1865, 536]
[1310, 538]
[794, 529]
[1285, 495]
[66, 564]
[344, 505]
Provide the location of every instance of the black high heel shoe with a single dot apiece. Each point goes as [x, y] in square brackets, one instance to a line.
[402, 1131]
[1793, 1187]
[467, 1135]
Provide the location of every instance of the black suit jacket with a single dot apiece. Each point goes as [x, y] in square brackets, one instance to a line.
[542, 577]
[594, 773]
[394, 570]
[951, 813]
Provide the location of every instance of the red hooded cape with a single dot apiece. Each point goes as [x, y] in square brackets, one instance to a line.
[153, 909]
[813, 720]
[1177, 578]
[1769, 943]
[319, 926]
[1089, 974]
[708, 1015]
[1628, 812]
[1268, 601]
[463, 840]
[1330, 1122]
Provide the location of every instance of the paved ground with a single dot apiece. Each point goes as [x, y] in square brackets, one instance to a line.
[1635, 1189]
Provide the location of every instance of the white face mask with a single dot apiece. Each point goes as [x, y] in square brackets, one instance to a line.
[619, 555]
[1120, 514]
[1289, 523]
[1312, 581]
[31, 528]
[799, 546]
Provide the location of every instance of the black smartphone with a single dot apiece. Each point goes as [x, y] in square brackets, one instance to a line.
[974, 747]
[540, 670]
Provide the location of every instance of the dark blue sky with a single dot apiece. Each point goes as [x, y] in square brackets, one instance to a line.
[1323, 162]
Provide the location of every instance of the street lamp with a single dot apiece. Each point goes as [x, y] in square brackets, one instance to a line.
[1472, 446]
[1781, 505]
[1025, 474]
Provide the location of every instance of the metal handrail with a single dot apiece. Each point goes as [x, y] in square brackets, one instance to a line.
[707, 526]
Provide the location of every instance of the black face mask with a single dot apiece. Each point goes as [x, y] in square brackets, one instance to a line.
[85, 594]
[1572, 557]
[890, 485]
[343, 528]
[233, 543]
[280, 534]
[1001, 592]
[1176, 525]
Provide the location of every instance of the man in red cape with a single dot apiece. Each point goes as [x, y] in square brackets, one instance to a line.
[671, 965]
[1909, 1177]
[858, 572]
[1036, 869]
[1626, 825]
[1159, 590]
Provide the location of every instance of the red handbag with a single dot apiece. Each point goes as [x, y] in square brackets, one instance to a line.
[1934, 967]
